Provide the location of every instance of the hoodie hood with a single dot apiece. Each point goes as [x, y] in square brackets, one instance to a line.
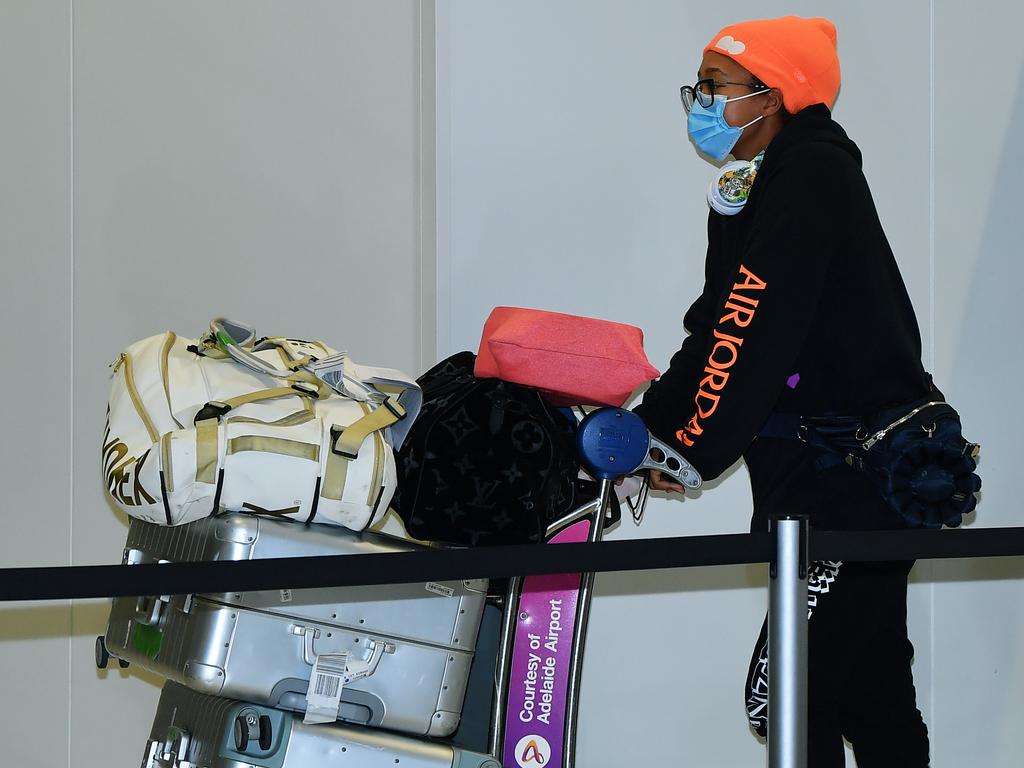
[812, 124]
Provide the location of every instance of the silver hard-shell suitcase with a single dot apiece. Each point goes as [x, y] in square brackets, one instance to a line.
[415, 641]
[193, 730]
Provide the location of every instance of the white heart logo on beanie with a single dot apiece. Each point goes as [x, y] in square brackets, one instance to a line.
[730, 44]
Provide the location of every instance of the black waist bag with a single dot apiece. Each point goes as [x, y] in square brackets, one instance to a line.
[915, 455]
[487, 461]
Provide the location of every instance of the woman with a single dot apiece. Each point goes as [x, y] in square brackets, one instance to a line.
[803, 312]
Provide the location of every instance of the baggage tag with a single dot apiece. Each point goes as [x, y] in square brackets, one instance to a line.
[323, 697]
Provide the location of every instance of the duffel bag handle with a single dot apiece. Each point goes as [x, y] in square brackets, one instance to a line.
[232, 338]
[376, 386]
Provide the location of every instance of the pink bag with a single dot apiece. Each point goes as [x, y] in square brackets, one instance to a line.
[573, 360]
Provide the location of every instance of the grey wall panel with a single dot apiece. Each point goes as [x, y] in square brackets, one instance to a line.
[254, 159]
[979, 608]
[35, 289]
[249, 158]
[35, 311]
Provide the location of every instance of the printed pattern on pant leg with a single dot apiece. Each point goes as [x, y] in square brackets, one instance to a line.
[757, 689]
[820, 578]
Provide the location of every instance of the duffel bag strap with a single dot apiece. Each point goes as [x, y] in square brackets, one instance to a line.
[345, 443]
[294, 372]
[209, 416]
[307, 382]
[215, 409]
[206, 451]
[332, 372]
[348, 439]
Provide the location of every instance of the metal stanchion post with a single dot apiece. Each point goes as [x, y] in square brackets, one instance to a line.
[787, 645]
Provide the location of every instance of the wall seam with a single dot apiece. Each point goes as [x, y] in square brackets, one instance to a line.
[442, 175]
[426, 185]
[418, 185]
[71, 376]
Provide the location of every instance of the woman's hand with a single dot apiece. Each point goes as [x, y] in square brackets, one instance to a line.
[659, 481]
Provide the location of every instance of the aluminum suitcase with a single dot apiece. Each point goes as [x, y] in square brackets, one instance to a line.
[193, 730]
[415, 642]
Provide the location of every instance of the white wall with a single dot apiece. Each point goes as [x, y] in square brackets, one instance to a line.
[979, 606]
[164, 163]
[35, 305]
[566, 182]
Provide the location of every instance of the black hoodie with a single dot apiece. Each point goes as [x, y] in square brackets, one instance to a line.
[803, 311]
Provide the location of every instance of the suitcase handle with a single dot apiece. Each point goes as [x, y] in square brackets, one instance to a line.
[148, 610]
[149, 607]
[366, 667]
[354, 670]
[171, 753]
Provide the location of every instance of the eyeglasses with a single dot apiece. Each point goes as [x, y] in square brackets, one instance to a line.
[703, 91]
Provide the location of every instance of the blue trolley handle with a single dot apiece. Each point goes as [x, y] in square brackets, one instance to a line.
[613, 443]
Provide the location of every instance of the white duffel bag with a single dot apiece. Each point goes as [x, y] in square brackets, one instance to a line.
[278, 427]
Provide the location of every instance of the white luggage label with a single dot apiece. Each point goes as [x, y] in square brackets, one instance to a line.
[323, 698]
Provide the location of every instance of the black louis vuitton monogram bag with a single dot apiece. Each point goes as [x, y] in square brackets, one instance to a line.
[486, 462]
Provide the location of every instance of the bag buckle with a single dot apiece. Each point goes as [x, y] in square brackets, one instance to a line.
[395, 408]
[214, 409]
[336, 433]
[304, 388]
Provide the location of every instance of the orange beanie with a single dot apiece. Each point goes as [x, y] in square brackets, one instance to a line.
[796, 55]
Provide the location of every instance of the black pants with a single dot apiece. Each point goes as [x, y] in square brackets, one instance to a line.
[860, 684]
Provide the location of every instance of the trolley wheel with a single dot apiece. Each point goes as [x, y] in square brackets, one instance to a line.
[266, 733]
[123, 663]
[102, 654]
[241, 731]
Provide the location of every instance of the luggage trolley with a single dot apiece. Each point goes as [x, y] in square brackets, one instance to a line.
[545, 621]
[539, 661]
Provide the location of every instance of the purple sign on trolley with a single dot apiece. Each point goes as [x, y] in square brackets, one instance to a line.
[542, 651]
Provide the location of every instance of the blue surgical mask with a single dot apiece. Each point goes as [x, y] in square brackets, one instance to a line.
[709, 130]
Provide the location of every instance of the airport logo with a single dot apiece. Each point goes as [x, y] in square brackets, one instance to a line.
[533, 751]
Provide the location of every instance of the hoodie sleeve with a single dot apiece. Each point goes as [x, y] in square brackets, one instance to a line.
[678, 383]
[712, 409]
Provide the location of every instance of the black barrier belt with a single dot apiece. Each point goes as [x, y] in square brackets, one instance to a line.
[916, 545]
[389, 568]
[91, 581]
